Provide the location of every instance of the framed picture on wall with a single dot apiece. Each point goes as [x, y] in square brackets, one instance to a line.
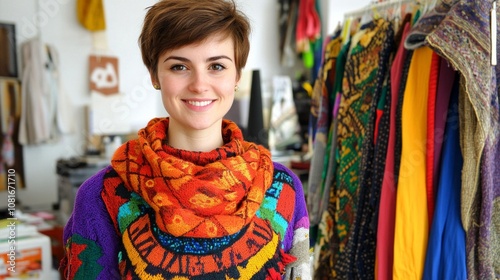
[8, 50]
[103, 74]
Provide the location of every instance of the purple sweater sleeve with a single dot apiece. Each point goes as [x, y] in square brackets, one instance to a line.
[301, 217]
[296, 241]
[89, 236]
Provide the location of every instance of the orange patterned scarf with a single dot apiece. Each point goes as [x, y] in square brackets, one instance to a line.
[196, 194]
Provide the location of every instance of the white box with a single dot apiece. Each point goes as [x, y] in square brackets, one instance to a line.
[31, 256]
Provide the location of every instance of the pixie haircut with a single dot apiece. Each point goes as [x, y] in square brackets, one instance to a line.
[171, 24]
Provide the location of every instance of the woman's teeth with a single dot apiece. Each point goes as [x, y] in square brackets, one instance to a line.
[199, 103]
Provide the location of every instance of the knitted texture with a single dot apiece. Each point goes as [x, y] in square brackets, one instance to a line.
[149, 252]
[196, 194]
[264, 242]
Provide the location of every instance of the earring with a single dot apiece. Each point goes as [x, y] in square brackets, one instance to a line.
[236, 88]
[156, 86]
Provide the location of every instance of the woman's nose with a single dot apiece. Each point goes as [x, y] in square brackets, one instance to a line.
[199, 82]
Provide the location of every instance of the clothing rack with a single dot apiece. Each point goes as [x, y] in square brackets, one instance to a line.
[378, 6]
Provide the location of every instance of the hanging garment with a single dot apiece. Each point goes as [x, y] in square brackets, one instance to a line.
[415, 39]
[431, 111]
[405, 68]
[357, 94]
[411, 228]
[387, 207]
[37, 118]
[308, 29]
[90, 14]
[64, 107]
[481, 133]
[288, 56]
[427, 23]
[446, 78]
[321, 110]
[445, 258]
[399, 114]
[358, 259]
[327, 243]
[335, 96]
[47, 110]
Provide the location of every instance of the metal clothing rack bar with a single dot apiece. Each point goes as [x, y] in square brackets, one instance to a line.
[377, 6]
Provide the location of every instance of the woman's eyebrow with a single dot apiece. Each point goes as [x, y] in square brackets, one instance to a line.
[176, 58]
[183, 59]
[219, 57]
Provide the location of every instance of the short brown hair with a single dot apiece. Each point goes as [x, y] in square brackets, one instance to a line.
[171, 24]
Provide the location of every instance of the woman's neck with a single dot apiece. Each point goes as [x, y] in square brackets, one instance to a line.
[194, 140]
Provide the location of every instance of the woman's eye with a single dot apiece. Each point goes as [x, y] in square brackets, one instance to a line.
[217, 67]
[178, 67]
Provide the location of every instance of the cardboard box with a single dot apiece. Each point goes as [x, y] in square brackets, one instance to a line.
[28, 258]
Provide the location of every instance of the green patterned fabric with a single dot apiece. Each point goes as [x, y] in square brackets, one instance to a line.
[358, 259]
[322, 101]
[326, 242]
[359, 82]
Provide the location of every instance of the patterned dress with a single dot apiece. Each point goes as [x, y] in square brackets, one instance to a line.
[359, 82]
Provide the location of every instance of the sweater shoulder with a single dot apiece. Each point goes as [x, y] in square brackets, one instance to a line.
[285, 175]
[88, 196]
[89, 235]
[284, 202]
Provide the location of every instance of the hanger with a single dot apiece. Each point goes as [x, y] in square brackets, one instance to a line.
[396, 16]
[375, 12]
[426, 7]
[366, 17]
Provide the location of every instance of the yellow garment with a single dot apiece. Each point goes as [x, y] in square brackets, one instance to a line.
[91, 14]
[411, 229]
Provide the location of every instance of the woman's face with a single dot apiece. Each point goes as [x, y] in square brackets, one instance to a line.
[197, 83]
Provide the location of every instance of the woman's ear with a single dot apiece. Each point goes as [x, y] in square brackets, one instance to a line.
[154, 80]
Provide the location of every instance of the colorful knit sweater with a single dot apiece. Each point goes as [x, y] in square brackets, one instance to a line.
[226, 214]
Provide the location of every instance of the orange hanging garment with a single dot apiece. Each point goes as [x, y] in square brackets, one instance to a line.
[90, 14]
[411, 228]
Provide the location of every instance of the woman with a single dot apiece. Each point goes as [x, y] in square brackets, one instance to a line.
[190, 199]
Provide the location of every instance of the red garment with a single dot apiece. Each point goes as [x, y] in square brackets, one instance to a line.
[387, 208]
[445, 85]
[379, 113]
[308, 26]
[431, 109]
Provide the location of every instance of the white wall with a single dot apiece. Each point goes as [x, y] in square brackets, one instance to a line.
[334, 10]
[54, 21]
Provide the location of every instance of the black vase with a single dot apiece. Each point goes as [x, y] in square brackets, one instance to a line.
[255, 131]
